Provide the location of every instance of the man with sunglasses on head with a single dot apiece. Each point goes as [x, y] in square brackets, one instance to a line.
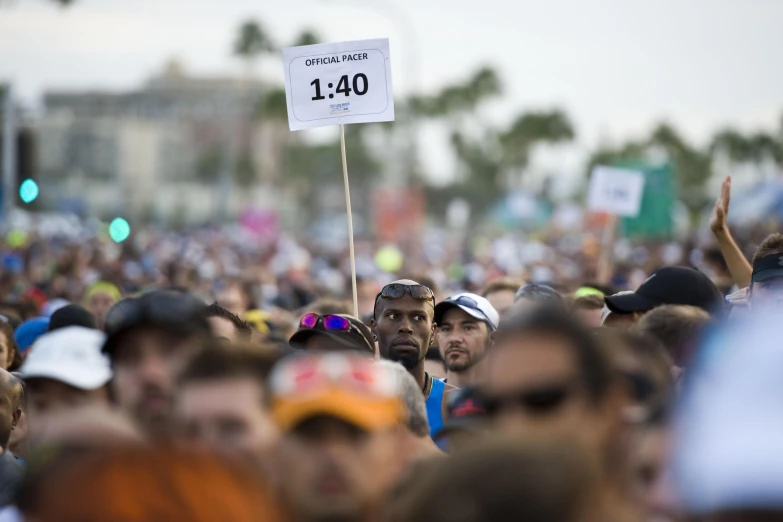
[549, 379]
[330, 332]
[404, 327]
[465, 323]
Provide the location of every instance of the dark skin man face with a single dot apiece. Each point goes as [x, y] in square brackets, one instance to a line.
[404, 328]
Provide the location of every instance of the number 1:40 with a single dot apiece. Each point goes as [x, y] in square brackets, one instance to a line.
[342, 86]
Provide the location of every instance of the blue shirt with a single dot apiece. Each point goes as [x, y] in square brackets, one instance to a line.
[435, 406]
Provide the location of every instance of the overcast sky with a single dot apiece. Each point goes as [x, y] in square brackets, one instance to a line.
[616, 66]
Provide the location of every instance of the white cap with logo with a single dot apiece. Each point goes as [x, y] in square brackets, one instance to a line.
[70, 355]
[473, 305]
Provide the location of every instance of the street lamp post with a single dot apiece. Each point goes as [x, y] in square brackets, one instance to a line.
[9, 153]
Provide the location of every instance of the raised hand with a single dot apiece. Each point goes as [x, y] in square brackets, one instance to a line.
[720, 212]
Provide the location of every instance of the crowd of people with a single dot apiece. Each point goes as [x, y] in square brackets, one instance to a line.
[185, 380]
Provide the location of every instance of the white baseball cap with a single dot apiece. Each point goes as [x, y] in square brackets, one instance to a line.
[70, 355]
[473, 305]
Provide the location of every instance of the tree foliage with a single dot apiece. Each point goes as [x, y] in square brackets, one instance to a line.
[754, 148]
[487, 154]
[272, 105]
[252, 40]
[307, 37]
[531, 128]
[459, 98]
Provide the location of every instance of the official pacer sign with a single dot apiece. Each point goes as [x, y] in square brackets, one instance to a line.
[338, 83]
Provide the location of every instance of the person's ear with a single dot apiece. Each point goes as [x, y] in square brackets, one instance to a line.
[15, 418]
[374, 329]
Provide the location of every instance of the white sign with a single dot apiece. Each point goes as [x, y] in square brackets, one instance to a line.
[337, 83]
[616, 191]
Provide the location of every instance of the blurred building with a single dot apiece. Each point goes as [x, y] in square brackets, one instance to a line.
[171, 150]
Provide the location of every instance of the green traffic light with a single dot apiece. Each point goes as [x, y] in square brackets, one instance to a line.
[28, 191]
[119, 230]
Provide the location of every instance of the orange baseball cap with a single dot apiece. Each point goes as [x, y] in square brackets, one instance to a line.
[349, 387]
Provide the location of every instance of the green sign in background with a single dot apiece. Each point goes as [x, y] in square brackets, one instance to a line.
[655, 217]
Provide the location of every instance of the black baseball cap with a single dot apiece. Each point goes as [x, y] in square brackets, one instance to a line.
[72, 315]
[358, 338]
[767, 267]
[675, 285]
[178, 312]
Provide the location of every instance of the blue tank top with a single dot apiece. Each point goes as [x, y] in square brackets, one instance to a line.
[435, 406]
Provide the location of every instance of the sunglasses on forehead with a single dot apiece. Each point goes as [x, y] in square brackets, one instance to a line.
[397, 290]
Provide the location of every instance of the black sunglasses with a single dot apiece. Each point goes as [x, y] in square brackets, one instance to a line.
[539, 400]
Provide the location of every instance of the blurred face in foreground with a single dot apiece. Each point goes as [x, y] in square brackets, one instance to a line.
[227, 414]
[652, 481]
[767, 295]
[146, 361]
[331, 470]
[534, 390]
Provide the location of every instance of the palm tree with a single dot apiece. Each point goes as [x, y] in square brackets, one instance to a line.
[307, 37]
[272, 105]
[629, 152]
[459, 99]
[531, 128]
[693, 167]
[251, 42]
[747, 149]
[485, 83]
[765, 146]
[733, 144]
